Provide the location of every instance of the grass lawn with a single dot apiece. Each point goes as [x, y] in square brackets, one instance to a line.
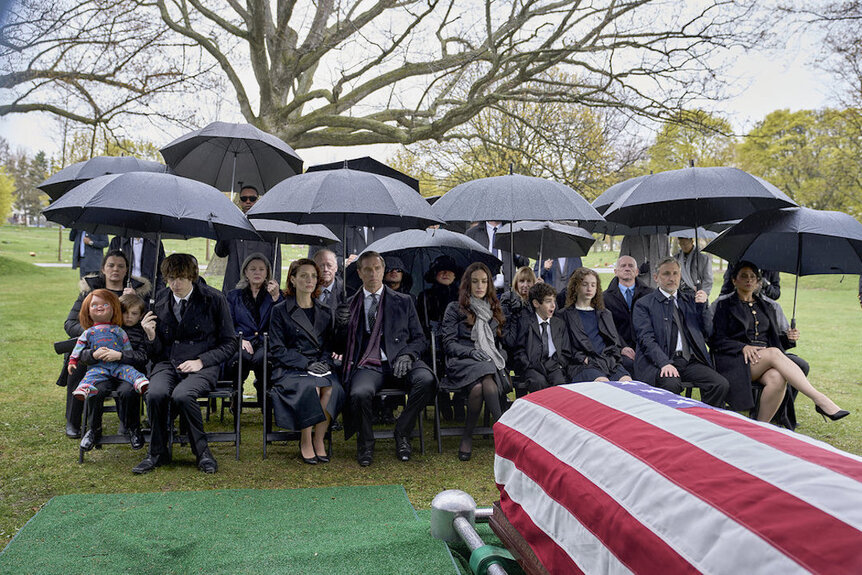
[37, 461]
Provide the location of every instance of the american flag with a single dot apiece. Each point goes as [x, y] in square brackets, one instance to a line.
[622, 477]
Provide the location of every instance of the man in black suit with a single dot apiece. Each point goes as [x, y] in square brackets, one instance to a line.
[620, 298]
[484, 233]
[544, 354]
[384, 342]
[87, 251]
[556, 272]
[141, 254]
[670, 329]
[190, 334]
[331, 286]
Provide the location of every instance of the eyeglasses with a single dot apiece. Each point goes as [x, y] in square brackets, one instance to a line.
[251, 199]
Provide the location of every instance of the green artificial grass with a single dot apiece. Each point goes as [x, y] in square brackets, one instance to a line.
[361, 530]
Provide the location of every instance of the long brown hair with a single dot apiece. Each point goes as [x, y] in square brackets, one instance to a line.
[572, 288]
[84, 315]
[291, 272]
[490, 295]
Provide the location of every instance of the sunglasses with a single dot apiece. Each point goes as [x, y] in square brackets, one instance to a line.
[251, 199]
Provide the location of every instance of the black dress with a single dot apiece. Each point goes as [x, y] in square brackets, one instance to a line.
[297, 342]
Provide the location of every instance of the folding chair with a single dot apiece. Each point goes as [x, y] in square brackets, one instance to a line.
[111, 439]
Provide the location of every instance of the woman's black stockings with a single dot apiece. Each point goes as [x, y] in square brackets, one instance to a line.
[484, 389]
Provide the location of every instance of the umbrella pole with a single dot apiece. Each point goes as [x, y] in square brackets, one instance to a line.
[344, 258]
[796, 283]
[695, 252]
[232, 179]
[541, 264]
[512, 253]
[275, 256]
[155, 270]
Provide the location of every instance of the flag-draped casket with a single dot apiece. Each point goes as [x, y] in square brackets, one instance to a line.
[624, 477]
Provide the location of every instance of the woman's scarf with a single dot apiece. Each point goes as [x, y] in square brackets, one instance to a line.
[482, 334]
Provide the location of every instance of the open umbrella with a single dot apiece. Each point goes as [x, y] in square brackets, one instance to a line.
[511, 198]
[76, 174]
[547, 239]
[223, 154]
[368, 164]
[691, 233]
[151, 205]
[279, 232]
[800, 241]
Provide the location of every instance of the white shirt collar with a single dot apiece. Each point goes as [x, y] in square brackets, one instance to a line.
[367, 293]
[177, 300]
[540, 320]
[665, 294]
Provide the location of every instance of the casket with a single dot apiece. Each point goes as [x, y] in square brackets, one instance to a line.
[622, 477]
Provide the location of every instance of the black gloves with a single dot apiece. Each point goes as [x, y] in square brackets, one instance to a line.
[479, 355]
[318, 368]
[342, 314]
[402, 365]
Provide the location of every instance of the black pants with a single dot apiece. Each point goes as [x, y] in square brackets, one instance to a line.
[182, 391]
[364, 385]
[538, 380]
[128, 404]
[713, 386]
[75, 407]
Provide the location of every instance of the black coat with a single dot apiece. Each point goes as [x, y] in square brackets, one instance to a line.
[243, 319]
[653, 318]
[431, 303]
[528, 347]
[205, 332]
[608, 360]
[294, 342]
[91, 261]
[554, 277]
[148, 258]
[729, 336]
[616, 304]
[455, 336]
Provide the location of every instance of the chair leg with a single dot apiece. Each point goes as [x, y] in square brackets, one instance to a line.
[437, 431]
[84, 418]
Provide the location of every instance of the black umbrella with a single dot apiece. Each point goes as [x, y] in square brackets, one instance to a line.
[800, 241]
[691, 233]
[223, 154]
[417, 249]
[78, 173]
[511, 198]
[368, 164]
[547, 239]
[279, 232]
[156, 206]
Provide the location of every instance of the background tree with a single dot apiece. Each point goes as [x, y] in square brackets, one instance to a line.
[28, 198]
[692, 135]
[7, 191]
[338, 72]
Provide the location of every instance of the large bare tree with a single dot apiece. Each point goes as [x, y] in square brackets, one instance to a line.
[330, 72]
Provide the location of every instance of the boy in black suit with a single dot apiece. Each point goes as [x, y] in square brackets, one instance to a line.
[544, 354]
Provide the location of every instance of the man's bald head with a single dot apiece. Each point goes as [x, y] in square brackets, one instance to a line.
[626, 270]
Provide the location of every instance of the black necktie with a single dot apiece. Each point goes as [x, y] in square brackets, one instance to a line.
[181, 310]
[372, 312]
[546, 350]
[324, 297]
[628, 296]
[677, 320]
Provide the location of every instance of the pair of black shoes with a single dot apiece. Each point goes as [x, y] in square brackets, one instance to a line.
[403, 449]
[136, 438]
[150, 462]
[365, 457]
[91, 439]
[73, 431]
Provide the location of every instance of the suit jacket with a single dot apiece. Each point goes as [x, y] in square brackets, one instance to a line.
[205, 332]
[616, 304]
[653, 318]
[236, 251]
[528, 350]
[91, 261]
[356, 242]
[336, 298]
[608, 360]
[480, 234]
[556, 278]
[295, 342]
[697, 267]
[243, 319]
[647, 250]
[402, 333]
[148, 258]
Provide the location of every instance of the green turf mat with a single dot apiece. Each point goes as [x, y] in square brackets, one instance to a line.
[357, 530]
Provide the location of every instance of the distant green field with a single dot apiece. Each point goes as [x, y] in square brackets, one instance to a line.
[37, 461]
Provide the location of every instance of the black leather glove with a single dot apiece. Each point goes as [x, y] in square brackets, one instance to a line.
[318, 367]
[342, 314]
[479, 355]
[402, 365]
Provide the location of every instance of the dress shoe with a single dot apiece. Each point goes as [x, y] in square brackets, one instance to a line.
[365, 457]
[207, 463]
[90, 439]
[308, 460]
[403, 450]
[833, 416]
[464, 455]
[322, 458]
[73, 431]
[150, 462]
[136, 438]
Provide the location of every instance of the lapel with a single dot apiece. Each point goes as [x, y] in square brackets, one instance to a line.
[578, 333]
[534, 325]
[297, 314]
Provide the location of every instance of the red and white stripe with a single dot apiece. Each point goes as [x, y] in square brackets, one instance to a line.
[601, 480]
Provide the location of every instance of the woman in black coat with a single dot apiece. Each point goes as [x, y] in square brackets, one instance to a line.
[748, 347]
[596, 346]
[471, 333]
[306, 391]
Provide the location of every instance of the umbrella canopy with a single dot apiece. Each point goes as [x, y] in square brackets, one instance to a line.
[290, 233]
[800, 241]
[368, 164]
[223, 154]
[546, 239]
[612, 194]
[511, 198]
[78, 173]
[141, 204]
[691, 233]
[345, 197]
[417, 249]
[693, 197]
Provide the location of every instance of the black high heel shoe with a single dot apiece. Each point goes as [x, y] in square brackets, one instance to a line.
[833, 416]
[464, 455]
[309, 460]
